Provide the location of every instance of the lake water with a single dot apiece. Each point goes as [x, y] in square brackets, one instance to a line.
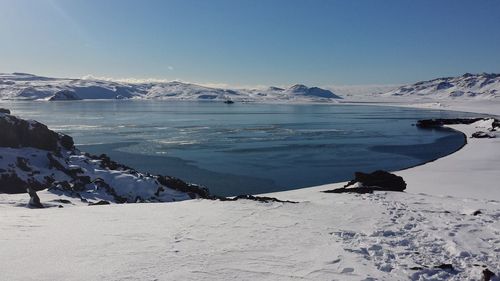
[248, 148]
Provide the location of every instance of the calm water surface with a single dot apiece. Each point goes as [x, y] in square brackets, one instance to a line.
[248, 148]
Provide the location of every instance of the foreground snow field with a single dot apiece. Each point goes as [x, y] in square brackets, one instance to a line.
[380, 236]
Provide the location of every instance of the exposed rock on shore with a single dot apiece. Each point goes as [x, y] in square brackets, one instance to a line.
[376, 181]
[435, 123]
[482, 135]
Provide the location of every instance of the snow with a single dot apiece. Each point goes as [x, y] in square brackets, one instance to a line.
[449, 214]
[472, 172]
[383, 236]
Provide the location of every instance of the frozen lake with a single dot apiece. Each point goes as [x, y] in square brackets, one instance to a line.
[248, 148]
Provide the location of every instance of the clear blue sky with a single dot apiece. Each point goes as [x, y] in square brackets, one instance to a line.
[252, 42]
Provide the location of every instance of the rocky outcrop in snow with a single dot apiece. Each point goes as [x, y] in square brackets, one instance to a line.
[492, 124]
[33, 157]
[376, 181]
[484, 86]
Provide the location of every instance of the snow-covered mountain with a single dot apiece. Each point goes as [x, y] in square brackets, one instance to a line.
[295, 92]
[477, 86]
[22, 86]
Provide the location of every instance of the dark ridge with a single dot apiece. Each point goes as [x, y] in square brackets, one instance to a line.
[376, 181]
[433, 123]
[262, 199]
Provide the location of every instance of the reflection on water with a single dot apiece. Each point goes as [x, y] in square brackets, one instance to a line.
[248, 148]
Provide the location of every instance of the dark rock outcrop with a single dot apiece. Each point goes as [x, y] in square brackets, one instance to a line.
[101, 202]
[262, 199]
[34, 199]
[382, 179]
[376, 181]
[487, 275]
[192, 190]
[11, 183]
[18, 133]
[445, 266]
[434, 123]
[482, 135]
[4, 110]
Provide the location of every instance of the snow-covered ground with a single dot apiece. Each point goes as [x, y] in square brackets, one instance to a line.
[380, 236]
[446, 226]
[471, 172]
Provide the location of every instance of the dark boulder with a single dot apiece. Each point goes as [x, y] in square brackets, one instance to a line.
[193, 190]
[63, 201]
[482, 135]
[4, 110]
[101, 202]
[11, 183]
[477, 212]
[67, 142]
[381, 179]
[34, 199]
[433, 123]
[445, 266]
[487, 275]
[376, 181]
[262, 199]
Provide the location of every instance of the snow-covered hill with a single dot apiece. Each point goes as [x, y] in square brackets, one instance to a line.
[294, 93]
[467, 86]
[22, 86]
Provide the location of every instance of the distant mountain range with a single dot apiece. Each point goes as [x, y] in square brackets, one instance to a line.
[484, 86]
[22, 86]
